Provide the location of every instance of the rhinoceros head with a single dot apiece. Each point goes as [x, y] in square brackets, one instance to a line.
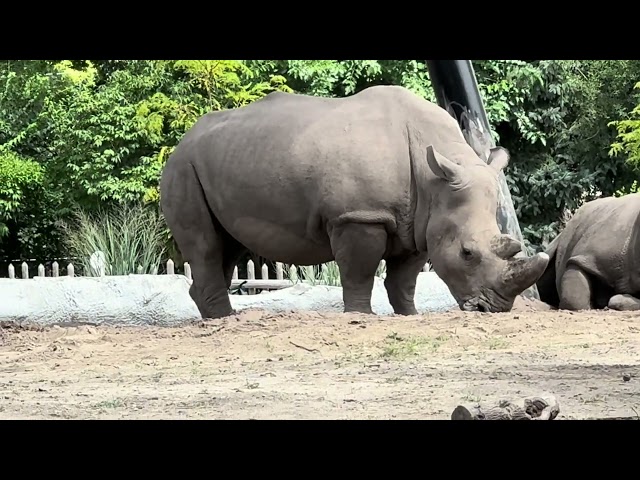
[465, 245]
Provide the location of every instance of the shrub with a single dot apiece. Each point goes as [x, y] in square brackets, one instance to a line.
[129, 238]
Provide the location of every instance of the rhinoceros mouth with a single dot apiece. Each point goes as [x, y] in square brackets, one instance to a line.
[474, 305]
[482, 303]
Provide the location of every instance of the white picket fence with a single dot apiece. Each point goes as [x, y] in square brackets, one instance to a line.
[251, 284]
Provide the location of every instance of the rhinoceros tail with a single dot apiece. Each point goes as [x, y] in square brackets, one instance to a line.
[547, 286]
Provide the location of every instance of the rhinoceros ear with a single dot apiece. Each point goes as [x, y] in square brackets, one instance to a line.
[498, 158]
[443, 167]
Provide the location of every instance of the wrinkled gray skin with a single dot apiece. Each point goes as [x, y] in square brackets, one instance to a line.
[595, 261]
[382, 174]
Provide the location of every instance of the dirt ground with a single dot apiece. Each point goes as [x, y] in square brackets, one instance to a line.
[259, 365]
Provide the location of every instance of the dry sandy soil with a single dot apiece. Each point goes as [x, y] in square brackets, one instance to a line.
[259, 365]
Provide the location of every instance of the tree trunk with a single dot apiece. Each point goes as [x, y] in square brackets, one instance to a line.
[532, 408]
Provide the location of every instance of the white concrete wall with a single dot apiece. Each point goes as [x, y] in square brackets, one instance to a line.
[164, 299]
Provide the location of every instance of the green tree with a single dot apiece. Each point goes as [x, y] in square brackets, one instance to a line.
[628, 137]
[558, 134]
[101, 131]
[94, 134]
[18, 178]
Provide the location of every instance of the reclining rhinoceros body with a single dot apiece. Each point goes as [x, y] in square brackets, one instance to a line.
[594, 262]
[382, 174]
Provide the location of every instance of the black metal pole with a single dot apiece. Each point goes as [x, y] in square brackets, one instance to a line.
[456, 89]
[454, 83]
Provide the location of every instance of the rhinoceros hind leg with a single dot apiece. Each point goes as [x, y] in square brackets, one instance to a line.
[624, 303]
[209, 287]
[199, 238]
[358, 249]
[402, 274]
[232, 251]
[575, 290]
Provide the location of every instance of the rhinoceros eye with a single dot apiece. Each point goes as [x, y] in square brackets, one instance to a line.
[467, 254]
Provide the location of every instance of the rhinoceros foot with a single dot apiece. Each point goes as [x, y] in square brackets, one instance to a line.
[624, 303]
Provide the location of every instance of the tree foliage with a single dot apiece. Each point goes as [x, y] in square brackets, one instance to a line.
[560, 159]
[628, 138]
[95, 134]
[18, 177]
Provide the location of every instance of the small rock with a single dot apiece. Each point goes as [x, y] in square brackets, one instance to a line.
[626, 377]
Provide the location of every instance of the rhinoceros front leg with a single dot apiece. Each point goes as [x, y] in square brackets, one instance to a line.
[624, 302]
[402, 274]
[575, 290]
[358, 249]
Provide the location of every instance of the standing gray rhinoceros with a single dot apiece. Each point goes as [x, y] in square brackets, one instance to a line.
[382, 174]
[595, 260]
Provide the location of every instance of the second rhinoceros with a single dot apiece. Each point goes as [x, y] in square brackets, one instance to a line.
[595, 260]
[382, 174]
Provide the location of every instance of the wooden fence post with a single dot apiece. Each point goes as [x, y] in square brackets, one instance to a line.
[256, 278]
[251, 275]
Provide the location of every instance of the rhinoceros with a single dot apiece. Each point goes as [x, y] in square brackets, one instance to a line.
[304, 180]
[595, 260]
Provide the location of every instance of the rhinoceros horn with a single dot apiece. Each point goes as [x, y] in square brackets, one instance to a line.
[521, 273]
[505, 246]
